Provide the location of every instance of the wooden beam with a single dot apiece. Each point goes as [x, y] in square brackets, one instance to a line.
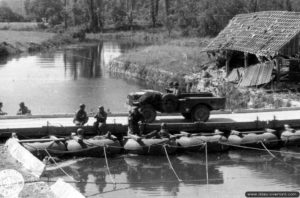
[278, 66]
[228, 58]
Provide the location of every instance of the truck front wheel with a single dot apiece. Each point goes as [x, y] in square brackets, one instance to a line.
[200, 113]
[149, 113]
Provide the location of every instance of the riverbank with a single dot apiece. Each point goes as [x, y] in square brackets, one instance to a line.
[150, 36]
[160, 64]
[16, 42]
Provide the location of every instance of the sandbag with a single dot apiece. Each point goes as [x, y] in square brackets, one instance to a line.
[290, 138]
[44, 145]
[190, 143]
[39, 148]
[150, 146]
[197, 143]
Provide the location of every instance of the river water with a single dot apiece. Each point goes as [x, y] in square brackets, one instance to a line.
[58, 81]
[229, 175]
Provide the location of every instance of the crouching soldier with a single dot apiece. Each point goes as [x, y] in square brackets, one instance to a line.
[81, 117]
[23, 109]
[100, 123]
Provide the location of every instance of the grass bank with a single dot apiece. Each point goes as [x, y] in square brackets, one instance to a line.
[20, 26]
[150, 36]
[162, 63]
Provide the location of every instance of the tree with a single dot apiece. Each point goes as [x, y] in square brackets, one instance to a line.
[50, 10]
[7, 15]
[154, 6]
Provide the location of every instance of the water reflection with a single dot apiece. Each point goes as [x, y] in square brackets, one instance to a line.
[65, 78]
[152, 176]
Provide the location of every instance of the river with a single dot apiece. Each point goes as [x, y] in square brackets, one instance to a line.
[58, 81]
[229, 175]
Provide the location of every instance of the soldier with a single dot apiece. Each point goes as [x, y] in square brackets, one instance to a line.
[23, 109]
[162, 133]
[100, 123]
[170, 89]
[80, 117]
[2, 112]
[176, 89]
[133, 121]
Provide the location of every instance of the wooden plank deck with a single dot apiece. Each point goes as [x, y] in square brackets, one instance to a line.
[42, 126]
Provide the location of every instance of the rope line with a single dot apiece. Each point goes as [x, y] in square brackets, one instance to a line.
[170, 164]
[296, 168]
[106, 161]
[60, 167]
[206, 163]
[258, 149]
[122, 183]
[267, 149]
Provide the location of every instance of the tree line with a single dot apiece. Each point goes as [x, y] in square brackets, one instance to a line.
[190, 17]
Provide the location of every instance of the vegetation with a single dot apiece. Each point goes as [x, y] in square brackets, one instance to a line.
[189, 17]
[179, 56]
[24, 36]
[7, 15]
[20, 26]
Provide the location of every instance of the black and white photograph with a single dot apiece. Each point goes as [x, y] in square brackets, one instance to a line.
[150, 98]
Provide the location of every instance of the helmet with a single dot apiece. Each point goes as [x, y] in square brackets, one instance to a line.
[176, 84]
[82, 105]
[163, 125]
[101, 107]
[80, 131]
[22, 103]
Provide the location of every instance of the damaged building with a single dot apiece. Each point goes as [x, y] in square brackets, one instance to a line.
[261, 49]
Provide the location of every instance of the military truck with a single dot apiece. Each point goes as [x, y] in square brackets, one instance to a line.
[192, 106]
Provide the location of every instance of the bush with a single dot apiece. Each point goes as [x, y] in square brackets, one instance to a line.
[7, 15]
[77, 32]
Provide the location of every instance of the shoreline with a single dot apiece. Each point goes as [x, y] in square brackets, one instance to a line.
[32, 41]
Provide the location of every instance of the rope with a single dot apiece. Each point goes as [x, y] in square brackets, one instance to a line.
[106, 161]
[170, 164]
[267, 149]
[296, 168]
[258, 149]
[146, 183]
[60, 167]
[206, 163]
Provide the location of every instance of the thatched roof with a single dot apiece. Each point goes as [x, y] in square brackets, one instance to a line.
[261, 33]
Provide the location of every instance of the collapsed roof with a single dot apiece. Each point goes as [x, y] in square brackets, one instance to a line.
[267, 33]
